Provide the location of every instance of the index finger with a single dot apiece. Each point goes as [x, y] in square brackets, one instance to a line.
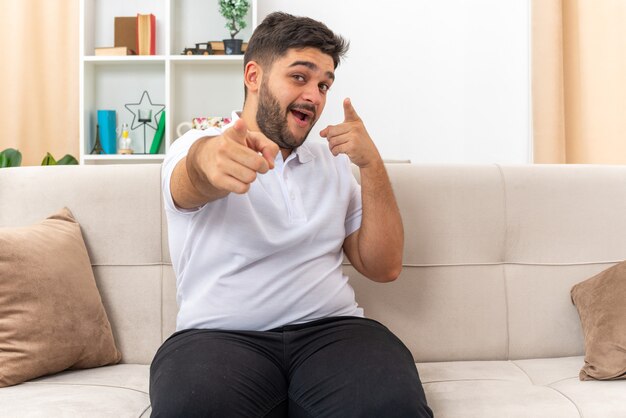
[260, 143]
[237, 132]
[349, 112]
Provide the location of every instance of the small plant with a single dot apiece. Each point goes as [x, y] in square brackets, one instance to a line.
[11, 157]
[235, 12]
[65, 160]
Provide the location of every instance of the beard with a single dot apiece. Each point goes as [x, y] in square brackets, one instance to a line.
[272, 120]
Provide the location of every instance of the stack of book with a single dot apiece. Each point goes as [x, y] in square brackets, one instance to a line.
[134, 35]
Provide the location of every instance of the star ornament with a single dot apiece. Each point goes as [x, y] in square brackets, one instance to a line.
[144, 105]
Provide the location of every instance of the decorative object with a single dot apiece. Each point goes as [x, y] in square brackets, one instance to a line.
[123, 146]
[235, 12]
[97, 146]
[601, 304]
[201, 124]
[144, 113]
[158, 135]
[202, 48]
[107, 124]
[52, 314]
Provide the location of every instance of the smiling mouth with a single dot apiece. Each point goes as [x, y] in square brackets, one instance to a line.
[303, 117]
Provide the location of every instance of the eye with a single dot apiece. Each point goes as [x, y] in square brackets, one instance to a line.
[298, 77]
[324, 87]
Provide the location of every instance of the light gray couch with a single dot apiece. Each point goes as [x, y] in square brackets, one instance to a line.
[483, 302]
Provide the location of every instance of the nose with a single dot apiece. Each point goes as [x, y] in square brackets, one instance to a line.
[312, 94]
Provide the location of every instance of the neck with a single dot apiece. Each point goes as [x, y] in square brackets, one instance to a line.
[285, 153]
[249, 117]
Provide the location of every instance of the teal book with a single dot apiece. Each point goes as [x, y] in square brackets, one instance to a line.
[108, 138]
[158, 135]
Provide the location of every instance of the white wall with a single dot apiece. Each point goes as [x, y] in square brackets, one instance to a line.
[434, 81]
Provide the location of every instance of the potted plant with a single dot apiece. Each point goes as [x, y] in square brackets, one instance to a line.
[235, 12]
[11, 157]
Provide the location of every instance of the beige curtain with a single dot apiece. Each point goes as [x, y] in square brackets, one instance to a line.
[579, 81]
[39, 78]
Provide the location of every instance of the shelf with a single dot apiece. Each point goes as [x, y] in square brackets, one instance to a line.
[151, 59]
[123, 159]
[134, 59]
[188, 85]
[207, 58]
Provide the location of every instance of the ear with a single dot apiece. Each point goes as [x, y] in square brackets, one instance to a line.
[253, 74]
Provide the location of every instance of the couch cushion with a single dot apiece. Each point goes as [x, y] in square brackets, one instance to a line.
[446, 208]
[51, 314]
[441, 313]
[112, 391]
[601, 304]
[536, 292]
[133, 295]
[564, 214]
[548, 371]
[523, 388]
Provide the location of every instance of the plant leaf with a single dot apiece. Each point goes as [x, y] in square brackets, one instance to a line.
[67, 160]
[10, 157]
[48, 160]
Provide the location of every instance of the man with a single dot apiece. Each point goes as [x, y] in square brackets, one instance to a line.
[258, 222]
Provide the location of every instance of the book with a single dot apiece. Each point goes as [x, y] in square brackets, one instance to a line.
[146, 34]
[106, 125]
[113, 50]
[218, 47]
[125, 30]
[158, 135]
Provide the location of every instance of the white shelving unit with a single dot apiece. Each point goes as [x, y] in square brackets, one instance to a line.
[188, 86]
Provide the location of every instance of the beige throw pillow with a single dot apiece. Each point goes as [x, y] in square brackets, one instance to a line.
[601, 304]
[51, 314]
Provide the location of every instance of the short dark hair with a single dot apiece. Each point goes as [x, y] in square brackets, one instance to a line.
[280, 32]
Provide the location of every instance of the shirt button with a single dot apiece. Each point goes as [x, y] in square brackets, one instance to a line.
[293, 197]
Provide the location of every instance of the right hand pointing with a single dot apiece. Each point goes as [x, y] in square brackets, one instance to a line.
[231, 161]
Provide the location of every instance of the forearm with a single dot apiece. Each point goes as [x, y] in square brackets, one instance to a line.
[381, 237]
[189, 185]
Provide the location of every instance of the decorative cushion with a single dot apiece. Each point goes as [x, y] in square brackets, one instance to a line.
[601, 304]
[51, 314]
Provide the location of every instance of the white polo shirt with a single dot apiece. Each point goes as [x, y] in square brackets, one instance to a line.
[272, 256]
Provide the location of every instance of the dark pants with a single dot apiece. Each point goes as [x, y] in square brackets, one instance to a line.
[336, 367]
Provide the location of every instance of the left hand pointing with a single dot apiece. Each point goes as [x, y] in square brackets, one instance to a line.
[351, 138]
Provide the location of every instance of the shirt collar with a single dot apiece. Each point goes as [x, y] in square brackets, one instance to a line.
[234, 115]
[304, 153]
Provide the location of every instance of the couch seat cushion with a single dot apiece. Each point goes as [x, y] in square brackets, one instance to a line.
[522, 388]
[112, 391]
